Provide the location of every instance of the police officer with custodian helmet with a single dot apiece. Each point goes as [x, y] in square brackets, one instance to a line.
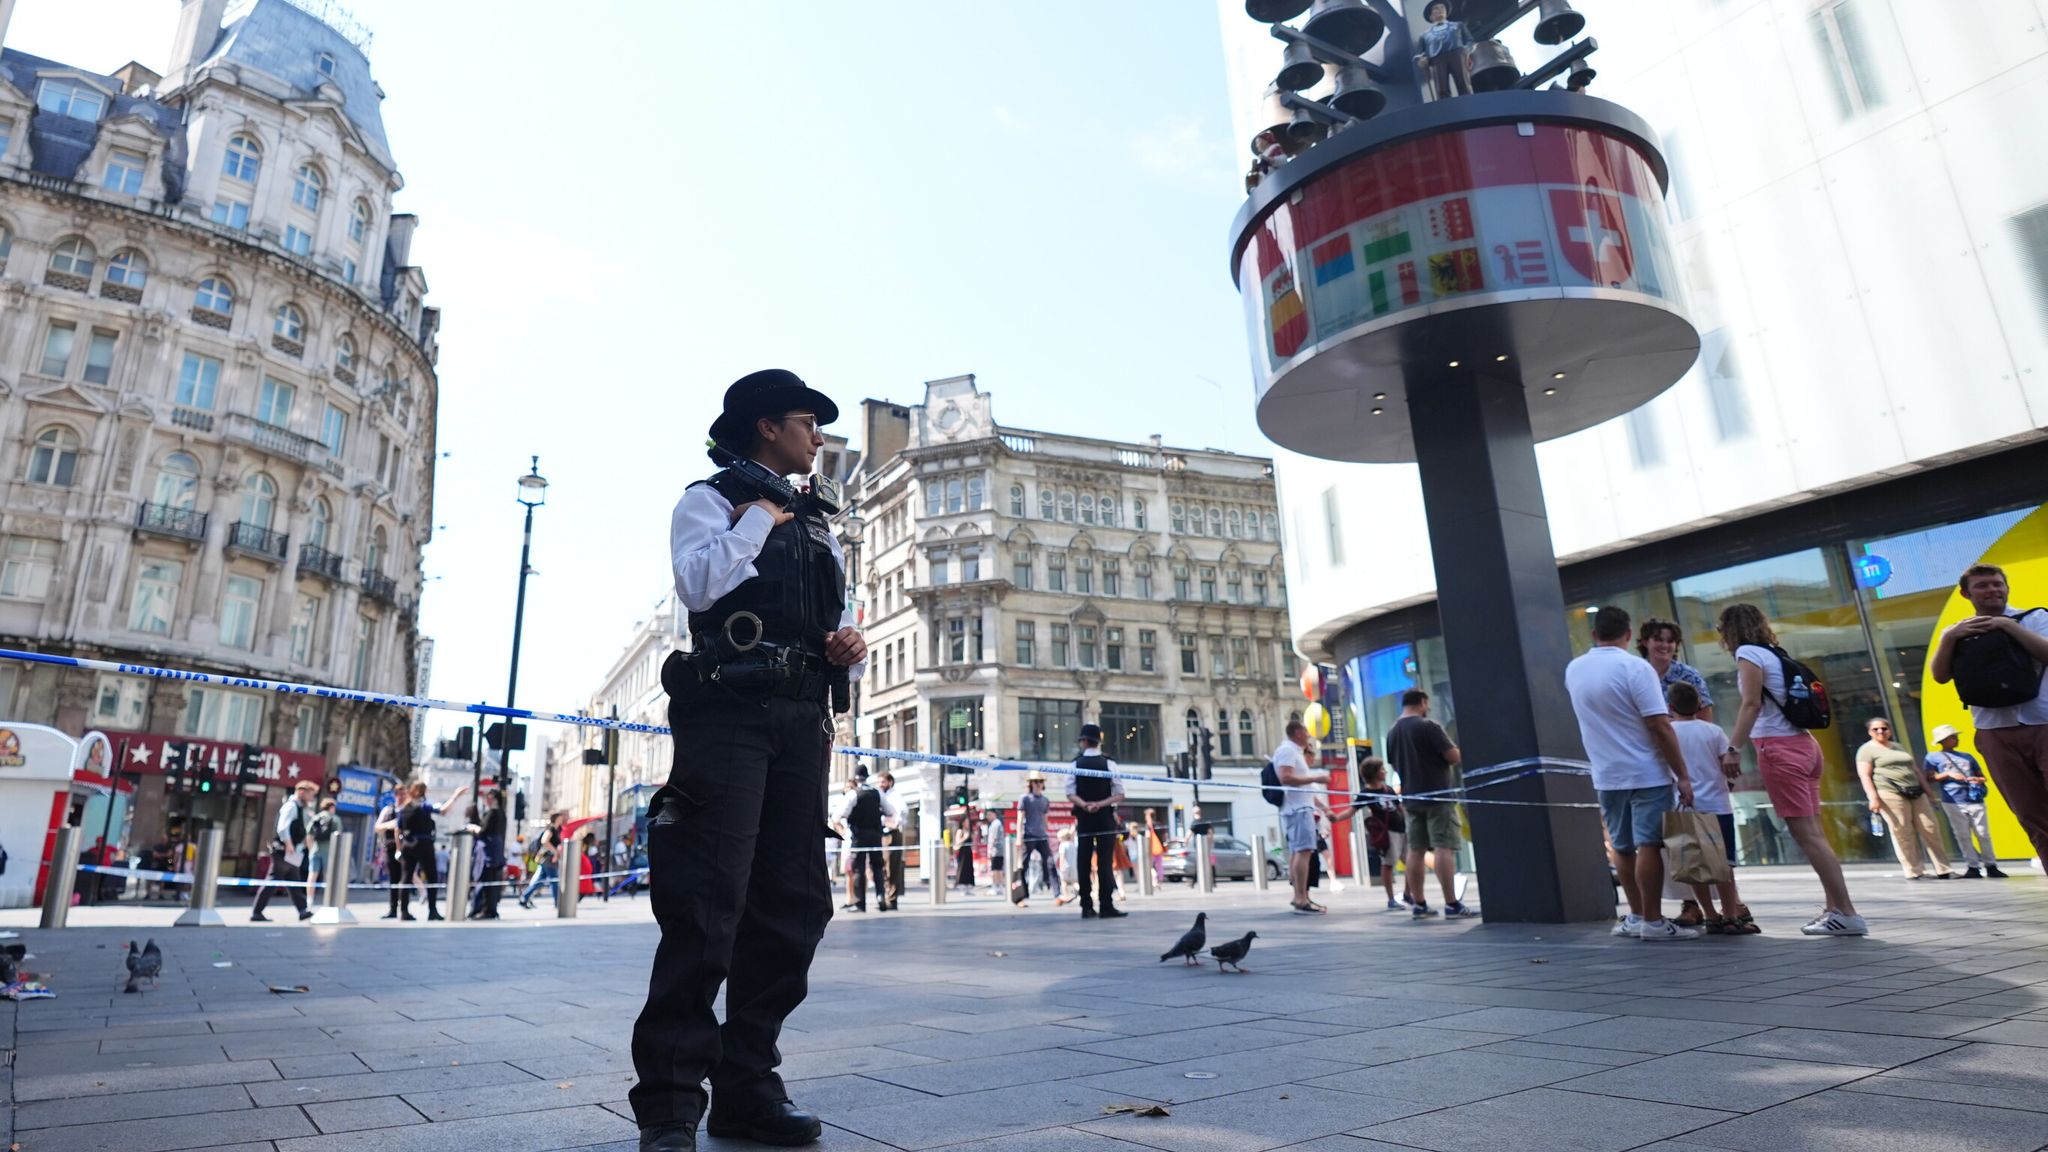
[735, 841]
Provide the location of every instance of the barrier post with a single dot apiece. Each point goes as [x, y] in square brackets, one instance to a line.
[936, 860]
[1205, 868]
[334, 909]
[1147, 882]
[1259, 880]
[461, 857]
[571, 866]
[63, 879]
[201, 911]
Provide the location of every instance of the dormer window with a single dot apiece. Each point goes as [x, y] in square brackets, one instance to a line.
[124, 172]
[70, 98]
[326, 63]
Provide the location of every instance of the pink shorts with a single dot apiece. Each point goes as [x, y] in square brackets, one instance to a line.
[1790, 766]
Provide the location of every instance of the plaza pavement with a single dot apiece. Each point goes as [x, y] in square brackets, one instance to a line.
[974, 1026]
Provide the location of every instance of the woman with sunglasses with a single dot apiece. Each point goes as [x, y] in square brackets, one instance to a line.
[1892, 782]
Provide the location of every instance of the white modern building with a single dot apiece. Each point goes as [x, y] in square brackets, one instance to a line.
[1860, 216]
[217, 402]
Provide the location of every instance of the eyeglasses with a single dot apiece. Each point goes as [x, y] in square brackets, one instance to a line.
[807, 420]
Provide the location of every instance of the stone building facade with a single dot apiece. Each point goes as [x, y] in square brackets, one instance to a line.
[217, 394]
[1016, 584]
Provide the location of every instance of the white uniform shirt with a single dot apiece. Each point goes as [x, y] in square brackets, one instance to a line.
[1116, 786]
[712, 554]
[844, 810]
[294, 850]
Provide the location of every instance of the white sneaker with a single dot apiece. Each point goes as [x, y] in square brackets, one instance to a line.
[1459, 882]
[1659, 930]
[1832, 923]
[1630, 925]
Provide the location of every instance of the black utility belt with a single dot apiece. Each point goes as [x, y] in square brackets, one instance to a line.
[765, 670]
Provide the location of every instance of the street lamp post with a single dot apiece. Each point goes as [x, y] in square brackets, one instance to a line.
[533, 492]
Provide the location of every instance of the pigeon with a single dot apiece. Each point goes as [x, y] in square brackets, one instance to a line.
[11, 956]
[1232, 952]
[1190, 943]
[143, 965]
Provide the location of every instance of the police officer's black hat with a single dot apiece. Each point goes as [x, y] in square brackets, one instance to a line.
[1091, 734]
[769, 392]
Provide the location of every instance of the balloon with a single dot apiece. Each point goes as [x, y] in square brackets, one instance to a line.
[1317, 718]
[1311, 683]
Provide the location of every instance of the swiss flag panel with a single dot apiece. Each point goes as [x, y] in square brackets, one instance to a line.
[1592, 234]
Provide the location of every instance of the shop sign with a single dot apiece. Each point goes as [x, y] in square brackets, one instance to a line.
[358, 790]
[143, 752]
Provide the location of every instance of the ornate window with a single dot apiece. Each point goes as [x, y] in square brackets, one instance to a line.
[323, 519]
[124, 171]
[1247, 737]
[1179, 518]
[1087, 507]
[1067, 506]
[215, 295]
[359, 222]
[1045, 499]
[290, 323]
[1016, 500]
[259, 500]
[1232, 524]
[1138, 513]
[974, 493]
[345, 354]
[127, 269]
[74, 257]
[244, 158]
[177, 482]
[54, 458]
[1215, 521]
[307, 187]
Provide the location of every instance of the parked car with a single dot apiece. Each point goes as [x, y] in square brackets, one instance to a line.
[1230, 858]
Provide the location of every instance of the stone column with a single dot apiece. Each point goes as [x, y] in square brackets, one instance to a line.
[200, 595]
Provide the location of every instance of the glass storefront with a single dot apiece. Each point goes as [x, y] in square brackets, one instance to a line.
[1862, 612]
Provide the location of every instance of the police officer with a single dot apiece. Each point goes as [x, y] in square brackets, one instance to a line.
[735, 842]
[861, 812]
[1094, 800]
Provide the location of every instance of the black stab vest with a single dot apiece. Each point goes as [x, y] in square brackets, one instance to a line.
[865, 821]
[1093, 788]
[797, 589]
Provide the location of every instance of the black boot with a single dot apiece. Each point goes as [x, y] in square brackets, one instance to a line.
[673, 1138]
[405, 905]
[1111, 911]
[780, 1123]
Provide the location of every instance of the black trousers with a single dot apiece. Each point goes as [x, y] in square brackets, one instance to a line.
[869, 860]
[1101, 845]
[419, 863]
[736, 859]
[492, 890]
[1049, 869]
[279, 870]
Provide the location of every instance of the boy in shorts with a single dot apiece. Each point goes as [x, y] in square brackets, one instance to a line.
[1710, 762]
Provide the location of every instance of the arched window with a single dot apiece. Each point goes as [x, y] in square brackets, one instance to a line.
[259, 500]
[345, 352]
[1016, 500]
[1223, 733]
[215, 295]
[953, 495]
[359, 222]
[1194, 721]
[323, 516]
[127, 269]
[1271, 529]
[1195, 519]
[1180, 521]
[177, 482]
[1087, 507]
[1045, 503]
[1067, 507]
[307, 187]
[1247, 739]
[290, 323]
[1215, 521]
[1233, 524]
[244, 158]
[974, 490]
[73, 257]
[54, 459]
[1106, 504]
[380, 541]
[1138, 513]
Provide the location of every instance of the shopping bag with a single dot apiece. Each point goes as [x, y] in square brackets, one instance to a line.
[1693, 852]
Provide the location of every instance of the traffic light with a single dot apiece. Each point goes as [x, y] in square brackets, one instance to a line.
[173, 760]
[1208, 757]
[960, 796]
[246, 766]
[206, 775]
[465, 743]
[519, 806]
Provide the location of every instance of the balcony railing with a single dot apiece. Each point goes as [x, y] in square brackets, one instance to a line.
[378, 586]
[256, 540]
[192, 418]
[275, 440]
[169, 520]
[320, 562]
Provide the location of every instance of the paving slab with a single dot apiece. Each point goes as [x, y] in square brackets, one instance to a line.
[1856, 1121]
[1554, 1120]
[1252, 1121]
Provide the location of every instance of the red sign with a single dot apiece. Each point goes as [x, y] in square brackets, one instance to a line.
[144, 752]
[1591, 235]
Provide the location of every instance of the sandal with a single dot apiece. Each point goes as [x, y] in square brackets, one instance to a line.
[1741, 924]
[1689, 915]
[1714, 925]
[1310, 907]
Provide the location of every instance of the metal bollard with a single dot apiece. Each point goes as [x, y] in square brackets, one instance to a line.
[63, 878]
[572, 879]
[335, 909]
[936, 857]
[1259, 880]
[461, 858]
[201, 912]
[1147, 881]
[1205, 868]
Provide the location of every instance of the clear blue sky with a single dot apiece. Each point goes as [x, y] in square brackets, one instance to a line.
[624, 206]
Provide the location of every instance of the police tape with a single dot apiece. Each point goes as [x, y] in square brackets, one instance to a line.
[187, 879]
[1519, 769]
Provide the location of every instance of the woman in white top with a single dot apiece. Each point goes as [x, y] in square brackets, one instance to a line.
[1788, 759]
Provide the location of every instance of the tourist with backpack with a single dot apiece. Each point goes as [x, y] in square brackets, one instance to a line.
[1959, 779]
[1293, 777]
[1782, 701]
[1996, 659]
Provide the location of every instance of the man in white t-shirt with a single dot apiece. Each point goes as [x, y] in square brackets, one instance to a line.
[2013, 738]
[1626, 728]
[1298, 812]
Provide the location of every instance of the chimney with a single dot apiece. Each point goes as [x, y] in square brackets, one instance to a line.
[399, 239]
[135, 79]
[198, 31]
